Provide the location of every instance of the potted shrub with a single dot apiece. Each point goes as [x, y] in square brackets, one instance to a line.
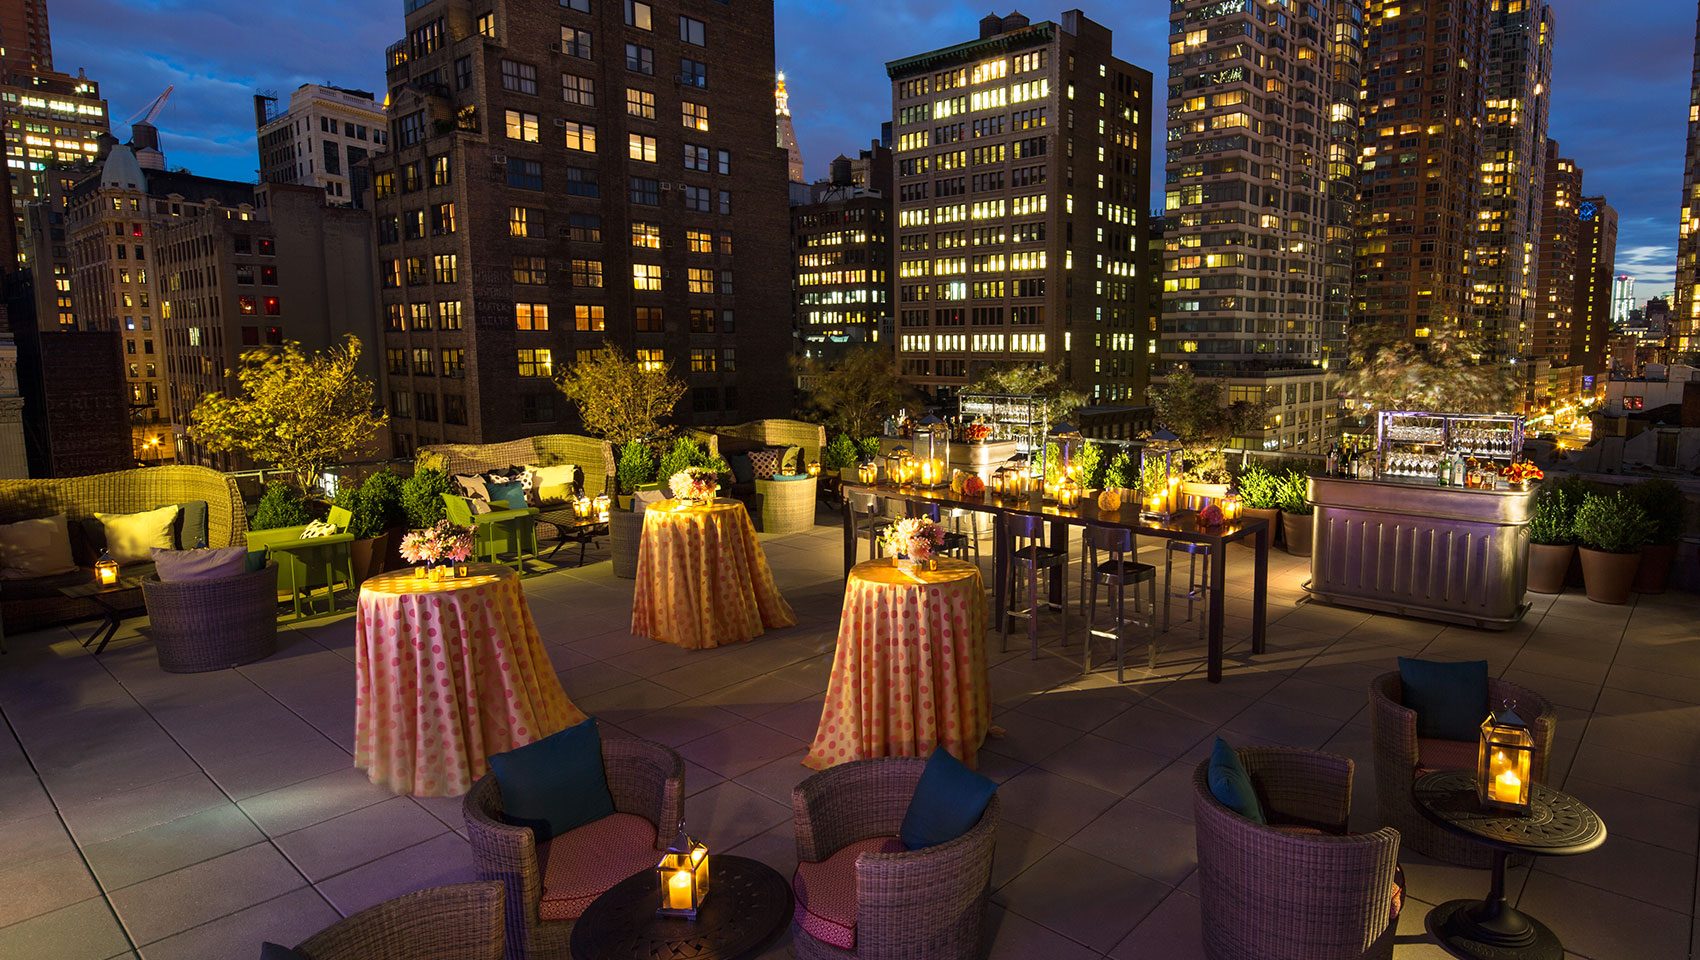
[1663, 503]
[422, 497]
[1612, 529]
[281, 506]
[636, 468]
[1260, 496]
[376, 521]
[1296, 512]
[838, 457]
[1576, 489]
[1552, 540]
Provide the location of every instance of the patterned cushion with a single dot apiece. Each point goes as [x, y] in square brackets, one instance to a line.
[765, 462]
[472, 486]
[1436, 754]
[826, 892]
[582, 864]
[1398, 890]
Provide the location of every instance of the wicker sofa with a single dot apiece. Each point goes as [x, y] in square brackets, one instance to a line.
[32, 604]
[593, 457]
[781, 433]
[461, 921]
[1299, 887]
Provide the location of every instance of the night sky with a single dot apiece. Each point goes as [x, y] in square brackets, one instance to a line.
[1619, 107]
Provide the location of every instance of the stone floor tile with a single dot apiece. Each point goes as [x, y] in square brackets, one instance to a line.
[729, 813]
[1151, 842]
[1014, 937]
[1282, 725]
[775, 780]
[1050, 804]
[1017, 849]
[1104, 763]
[1160, 731]
[43, 885]
[173, 902]
[1171, 932]
[443, 859]
[739, 749]
[23, 842]
[1028, 738]
[312, 801]
[286, 920]
[85, 930]
[1600, 924]
[1094, 901]
[141, 808]
[144, 854]
[1632, 868]
[342, 843]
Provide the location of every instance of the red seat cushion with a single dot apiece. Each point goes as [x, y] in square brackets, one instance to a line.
[826, 892]
[580, 865]
[1434, 754]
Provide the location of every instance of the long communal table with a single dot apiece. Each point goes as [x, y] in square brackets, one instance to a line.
[1183, 527]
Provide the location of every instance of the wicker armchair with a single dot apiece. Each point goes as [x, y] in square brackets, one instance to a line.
[1394, 726]
[787, 506]
[921, 903]
[462, 921]
[1274, 894]
[201, 625]
[645, 778]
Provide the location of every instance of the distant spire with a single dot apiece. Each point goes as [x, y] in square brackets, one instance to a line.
[786, 134]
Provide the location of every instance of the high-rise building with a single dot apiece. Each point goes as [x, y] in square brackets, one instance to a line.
[321, 140]
[787, 133]
[1260, 173]
[841, 245]
[1550, 323]
[26, 47]
[1685, 301]
[1023, 185]
[1596, 252]
[561, 174]
[1622, 298]
[290, 267]
[52, 121]
[1513, 164]
[1422, 138]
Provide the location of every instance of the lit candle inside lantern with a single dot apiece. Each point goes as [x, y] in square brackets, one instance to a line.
[679, 891]
[1507, 787]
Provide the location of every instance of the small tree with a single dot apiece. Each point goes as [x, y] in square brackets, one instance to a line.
[619, 398]
[636, 466]
[1448, 370]
[422, 497]
[1062, 401]
[855, 393]
[1197, 413]
[296, 412]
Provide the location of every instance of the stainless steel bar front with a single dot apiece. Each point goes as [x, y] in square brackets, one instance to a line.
[1414, 549]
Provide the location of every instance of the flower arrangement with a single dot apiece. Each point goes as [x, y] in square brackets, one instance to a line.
[977, 433]
[442, 541]
[1521, 472]
[913, 538]
[693, 483]
[1211, 516]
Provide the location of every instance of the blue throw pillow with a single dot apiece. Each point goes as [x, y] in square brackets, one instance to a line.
[1450, 697]
[513, 492]
[743, 471]
[1230, 784]
[277, 951]
[556, 783]
[947, 803]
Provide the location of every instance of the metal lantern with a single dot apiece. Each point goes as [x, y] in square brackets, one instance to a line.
[1503, 762]
[814, 468]
[867, 471]
[899, 465]
[682, 876]
[1069, 443]
[934, 470]
[1231, 503]
[1160, 466]
[106, 569]
[584, 508]
[601, 504]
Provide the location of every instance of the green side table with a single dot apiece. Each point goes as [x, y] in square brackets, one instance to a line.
[306, 565]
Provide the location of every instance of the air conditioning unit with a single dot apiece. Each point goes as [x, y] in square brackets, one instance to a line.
[666, 185]
[499, 158]
[682, 186]
[560, 122]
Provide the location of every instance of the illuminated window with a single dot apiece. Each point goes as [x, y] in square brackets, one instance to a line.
[588, 318]
[646, 276]
[695, 115]
[640, 147]
[581, 136]
[647, 235]
[536, 363]
[640, 104]
[531, 316]
[522, 126]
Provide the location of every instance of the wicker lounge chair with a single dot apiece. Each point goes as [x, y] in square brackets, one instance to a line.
[914, 903]
[1299, 888]
[646, 779]
[462, 921]
[1398, 755]
[201, 625]
[593, 457]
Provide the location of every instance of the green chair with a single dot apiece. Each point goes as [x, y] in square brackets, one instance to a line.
[303, 566]
[501, 531]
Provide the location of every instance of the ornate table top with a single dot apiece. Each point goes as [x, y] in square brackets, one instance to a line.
[1557, 824]
[747, 904]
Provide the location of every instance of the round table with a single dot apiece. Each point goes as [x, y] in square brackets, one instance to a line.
[747, 904]
[910, 671]
[702, 579]
[447, 673]
[1557, 825]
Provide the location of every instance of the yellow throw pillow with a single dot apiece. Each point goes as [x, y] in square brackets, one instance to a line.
[35, 548]
[554, 484]
[792, 463]
[131, 537]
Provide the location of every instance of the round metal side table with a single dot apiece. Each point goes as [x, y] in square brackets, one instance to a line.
[1557, 825]
[747, 905]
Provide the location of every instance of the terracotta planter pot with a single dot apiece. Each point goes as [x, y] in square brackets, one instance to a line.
[1548, 564]
[1654, 572]
[375, 555]
[1608, 576]
[1300, 531]
[1274, 518]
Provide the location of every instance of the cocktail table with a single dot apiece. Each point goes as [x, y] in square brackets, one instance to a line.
[570, 528]
[748, 903]
[116, 602]
[1557, 825]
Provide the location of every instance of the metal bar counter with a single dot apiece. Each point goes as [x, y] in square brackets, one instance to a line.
[1420, 550]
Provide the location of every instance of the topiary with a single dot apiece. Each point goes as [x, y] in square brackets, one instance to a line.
[636, 467]
[840, 454]
[1612, 523]
[280, 506]
[1553, 522]
[1120, 472]
[685, 452]
[422, 497]
[1663, 503]
[380, 505]
[1260, 489]
[1294, 490]
[868, 448]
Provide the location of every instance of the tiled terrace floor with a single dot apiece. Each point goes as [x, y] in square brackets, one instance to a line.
[167, 816]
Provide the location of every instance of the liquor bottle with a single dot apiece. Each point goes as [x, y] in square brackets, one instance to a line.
[1443, 473]
[1334, 460]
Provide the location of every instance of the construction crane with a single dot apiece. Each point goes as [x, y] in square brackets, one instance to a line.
[147, 113]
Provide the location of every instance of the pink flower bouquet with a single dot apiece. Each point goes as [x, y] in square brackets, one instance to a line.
[437, 543]
[913, 538]
[693, 483]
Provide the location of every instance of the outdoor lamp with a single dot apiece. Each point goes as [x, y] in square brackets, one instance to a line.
[1069, 442]
[582, 508]
[899, 465]
[682, 876]
[106, 569]
[867, 471]
[933, 469]
[1502, 762]
[814, 468]
[1158, 467]
[1231, 504]
[601, 505]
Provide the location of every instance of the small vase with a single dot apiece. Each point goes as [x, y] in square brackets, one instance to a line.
[421, 572]
[902, 562]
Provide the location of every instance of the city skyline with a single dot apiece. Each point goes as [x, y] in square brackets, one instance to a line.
[1619, 106]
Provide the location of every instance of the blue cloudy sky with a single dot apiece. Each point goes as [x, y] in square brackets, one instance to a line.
[1619, 99]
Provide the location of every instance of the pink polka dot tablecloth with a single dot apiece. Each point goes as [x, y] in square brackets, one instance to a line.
[910, 672]
[448, 673]
[702, 579]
